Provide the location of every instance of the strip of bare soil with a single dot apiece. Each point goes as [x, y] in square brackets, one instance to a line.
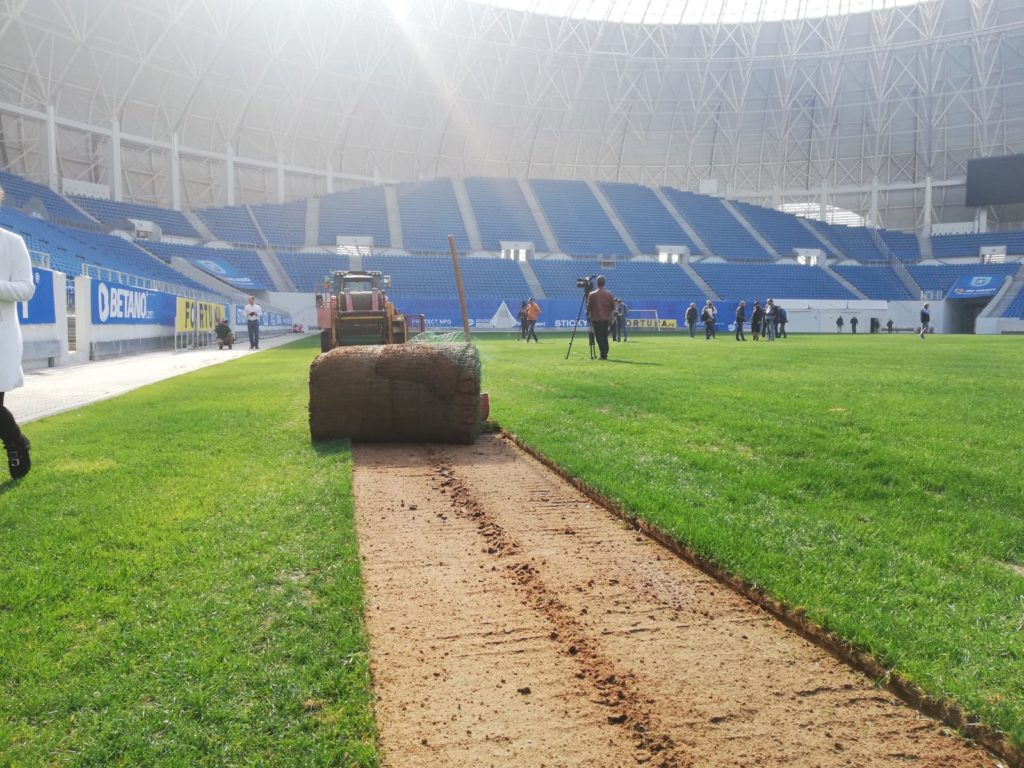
[515, 623]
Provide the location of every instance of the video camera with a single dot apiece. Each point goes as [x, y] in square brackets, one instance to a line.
[586, 283]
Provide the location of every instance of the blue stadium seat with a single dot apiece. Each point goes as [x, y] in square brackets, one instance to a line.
[283, 224]
[66, 254]
[20, 191]
[1016, 306]
[355, 213]
[110, 213]
[645, 217]
[717, 227]
[577, 219]
[783, 230]
[948, 246]
[853, 242]
[502, 213]
[231, 224]
[904, 245]
[761, 281]
[308, 270]
[243, 261]
[120, 255]
[941, 277]
[877, 281]
[430, 212]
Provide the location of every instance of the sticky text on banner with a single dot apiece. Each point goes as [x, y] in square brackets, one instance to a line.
[195, 315]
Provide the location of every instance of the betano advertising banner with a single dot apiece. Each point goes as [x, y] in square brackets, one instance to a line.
[40, 309]
[194, 315]
[114, 304]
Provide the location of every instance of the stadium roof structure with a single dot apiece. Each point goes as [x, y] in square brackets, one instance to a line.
[872, 106]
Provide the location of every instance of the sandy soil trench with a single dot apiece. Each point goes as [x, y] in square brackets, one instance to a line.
[513, 622]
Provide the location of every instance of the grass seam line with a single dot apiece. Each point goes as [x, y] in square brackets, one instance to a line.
[946, 711]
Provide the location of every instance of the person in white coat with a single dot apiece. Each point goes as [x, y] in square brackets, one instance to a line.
[15, 285]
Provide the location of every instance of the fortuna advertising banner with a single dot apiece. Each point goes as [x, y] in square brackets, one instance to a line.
[975, 287]
[114, 304]
[650, 323]
[40, 309]
[193, 315]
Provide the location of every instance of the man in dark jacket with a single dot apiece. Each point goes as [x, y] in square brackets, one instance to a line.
[741, 318]
[708, 318]
[691, 318]
[780, 313]
[600, 310]
[756, 320]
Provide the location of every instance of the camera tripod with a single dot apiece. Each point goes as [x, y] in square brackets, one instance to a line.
[590, 330]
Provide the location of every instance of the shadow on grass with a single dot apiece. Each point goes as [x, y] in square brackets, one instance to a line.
[632, 362]
[9, 485]
[331, 447]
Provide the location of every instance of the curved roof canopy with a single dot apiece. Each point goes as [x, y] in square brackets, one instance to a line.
[696, 11]
[828, 100]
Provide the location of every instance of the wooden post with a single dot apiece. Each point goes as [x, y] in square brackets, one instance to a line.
[458, 284]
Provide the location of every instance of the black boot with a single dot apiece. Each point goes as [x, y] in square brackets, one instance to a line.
[19, 461]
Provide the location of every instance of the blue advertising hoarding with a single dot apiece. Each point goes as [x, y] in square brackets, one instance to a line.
[114, 304]
[268, 319]
[40, 309]
[975, 287]
[556, 314]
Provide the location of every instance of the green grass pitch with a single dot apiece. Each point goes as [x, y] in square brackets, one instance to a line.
[180, 580]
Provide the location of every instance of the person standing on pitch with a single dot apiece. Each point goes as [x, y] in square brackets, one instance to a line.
[600, 310]
[839, 324]
[757, 320]
[532, 313]
[741, 318]
[926, 318]
[621, 310]
[253, 313]
[15, 285]
[708, 318]
[780, 313]
[771, 321]
[691, 318]
[853, 324]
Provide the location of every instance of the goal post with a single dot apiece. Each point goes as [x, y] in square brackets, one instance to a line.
[643, 320]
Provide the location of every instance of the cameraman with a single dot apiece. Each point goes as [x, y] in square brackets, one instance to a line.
[600, 310]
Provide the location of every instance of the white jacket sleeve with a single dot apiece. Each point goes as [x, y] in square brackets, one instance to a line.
[20, 286]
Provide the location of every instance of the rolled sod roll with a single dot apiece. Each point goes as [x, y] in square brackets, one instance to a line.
[396, 393]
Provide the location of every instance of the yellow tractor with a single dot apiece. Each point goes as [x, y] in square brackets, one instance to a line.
[353, 310]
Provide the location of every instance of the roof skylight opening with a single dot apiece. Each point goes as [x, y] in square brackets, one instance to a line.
[695, 11]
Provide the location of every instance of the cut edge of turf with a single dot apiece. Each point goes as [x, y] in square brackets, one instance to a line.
[943, 709]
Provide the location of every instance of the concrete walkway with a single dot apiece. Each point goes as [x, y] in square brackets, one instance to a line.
[55, 390]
